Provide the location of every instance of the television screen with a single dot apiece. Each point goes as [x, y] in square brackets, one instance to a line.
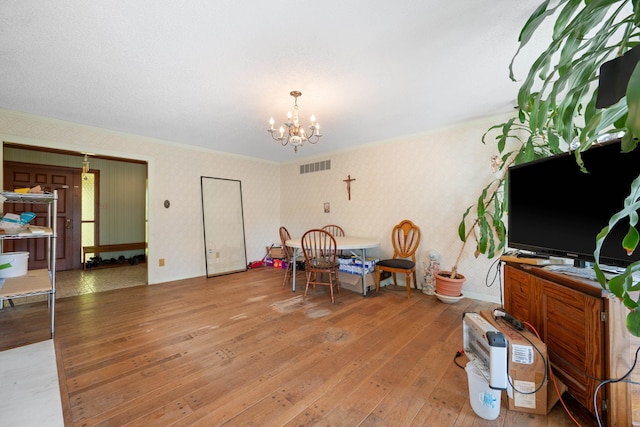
[556, 209]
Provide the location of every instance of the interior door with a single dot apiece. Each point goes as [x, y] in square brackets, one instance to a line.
[21, 175]
[223, 223]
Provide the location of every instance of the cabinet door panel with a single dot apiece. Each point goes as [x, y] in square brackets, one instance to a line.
[518, 298]
[568, 336]
[574, 335]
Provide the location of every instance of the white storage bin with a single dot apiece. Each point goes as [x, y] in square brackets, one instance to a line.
[19, 263]
[485, 401]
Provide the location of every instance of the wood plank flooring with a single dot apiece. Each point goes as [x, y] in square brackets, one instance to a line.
[239, 350]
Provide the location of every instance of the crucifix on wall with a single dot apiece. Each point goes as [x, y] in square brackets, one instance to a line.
[348, 181]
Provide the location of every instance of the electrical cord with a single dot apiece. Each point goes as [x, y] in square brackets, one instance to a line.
[597, 389]
[496, 278]
[544, 360]
[455, 358]
[547, 368]
[553, 378]
[611, 381]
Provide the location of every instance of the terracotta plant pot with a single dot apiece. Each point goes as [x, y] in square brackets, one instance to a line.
[445, 285]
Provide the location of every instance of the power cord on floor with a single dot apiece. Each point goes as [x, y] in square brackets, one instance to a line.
[455, 358]
[605, 382]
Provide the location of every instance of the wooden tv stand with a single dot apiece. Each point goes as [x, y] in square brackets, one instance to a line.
[584, 330]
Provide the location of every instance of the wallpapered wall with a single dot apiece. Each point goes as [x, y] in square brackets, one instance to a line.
[175, 234]
[429, 178]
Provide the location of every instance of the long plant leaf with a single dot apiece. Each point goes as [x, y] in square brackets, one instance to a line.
[633, 102]
[530, 28]
[564, 17]
[631, 205]
[603, 120]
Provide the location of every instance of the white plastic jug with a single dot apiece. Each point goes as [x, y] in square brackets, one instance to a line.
[485, 401]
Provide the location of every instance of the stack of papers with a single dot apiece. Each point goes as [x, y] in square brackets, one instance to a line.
[38, 230]
[26, 231]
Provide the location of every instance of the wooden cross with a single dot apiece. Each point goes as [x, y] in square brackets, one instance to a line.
[348, 181]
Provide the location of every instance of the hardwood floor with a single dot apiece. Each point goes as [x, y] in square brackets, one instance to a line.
[240, 350]
[78, 282]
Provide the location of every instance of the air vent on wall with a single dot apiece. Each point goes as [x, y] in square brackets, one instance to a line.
[324, 165]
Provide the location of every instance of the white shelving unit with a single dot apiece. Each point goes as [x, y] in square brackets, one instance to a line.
[35, 282]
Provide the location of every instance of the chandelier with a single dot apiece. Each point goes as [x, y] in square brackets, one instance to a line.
[85, 164]
[295, 133]
[85, 167]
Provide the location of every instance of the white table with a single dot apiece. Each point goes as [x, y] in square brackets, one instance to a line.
[342, 243]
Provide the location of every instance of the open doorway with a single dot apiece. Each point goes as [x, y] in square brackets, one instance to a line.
[109, 212]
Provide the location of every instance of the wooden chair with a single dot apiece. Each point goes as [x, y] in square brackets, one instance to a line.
[335, 230]
[288, 254]
[321, 264]
[406, 239]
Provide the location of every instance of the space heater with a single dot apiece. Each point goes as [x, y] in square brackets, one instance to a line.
[486, 347]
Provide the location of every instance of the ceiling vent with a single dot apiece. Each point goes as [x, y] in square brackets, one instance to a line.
[324, 165]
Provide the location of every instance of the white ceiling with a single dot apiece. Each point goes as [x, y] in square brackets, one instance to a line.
[211, 73]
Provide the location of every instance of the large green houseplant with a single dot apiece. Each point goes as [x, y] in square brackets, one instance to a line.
[556, 109]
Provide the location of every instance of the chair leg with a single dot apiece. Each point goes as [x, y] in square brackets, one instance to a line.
[287, 272]
[331, 289]
[308, 274]
[408, 280]
[332, 277]
[333, 280]
[377, 279]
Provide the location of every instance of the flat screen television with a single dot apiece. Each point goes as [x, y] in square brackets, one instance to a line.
[555, 209]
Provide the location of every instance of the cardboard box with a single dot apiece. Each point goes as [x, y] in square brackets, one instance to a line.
[353, 282]
[353, 265]
[527, 361]
[275, 252]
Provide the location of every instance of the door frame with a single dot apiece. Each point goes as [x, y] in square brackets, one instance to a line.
[69, 207]
[77, 250]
